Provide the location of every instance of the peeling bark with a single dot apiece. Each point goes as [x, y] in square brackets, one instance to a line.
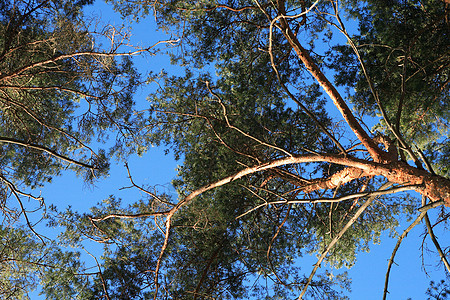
[432, 186]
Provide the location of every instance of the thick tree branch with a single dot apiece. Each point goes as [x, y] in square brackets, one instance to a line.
[303, 107]
[377, 154]
[369, 80]
[398, 172]
[435, 186]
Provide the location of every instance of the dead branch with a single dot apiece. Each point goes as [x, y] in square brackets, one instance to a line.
[335, 200]
[131, 216]
[144, 190]
[400, 239]
[338, 236]
[434, 239]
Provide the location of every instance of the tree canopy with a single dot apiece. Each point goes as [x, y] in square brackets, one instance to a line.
[302, 128]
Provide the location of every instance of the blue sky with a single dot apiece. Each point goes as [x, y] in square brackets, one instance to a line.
[407, 278]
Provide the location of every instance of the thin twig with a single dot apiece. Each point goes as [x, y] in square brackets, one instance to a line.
[131, 216]
[26, 216]
[225, 114]
[144, 190]
[271, 243]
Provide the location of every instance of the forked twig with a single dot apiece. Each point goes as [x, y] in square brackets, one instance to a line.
[434, 239]
[404, 234]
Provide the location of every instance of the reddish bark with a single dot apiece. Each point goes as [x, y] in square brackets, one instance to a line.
[432, 186]
[377, 154]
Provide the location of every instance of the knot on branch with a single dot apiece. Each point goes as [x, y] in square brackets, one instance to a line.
[389, 147]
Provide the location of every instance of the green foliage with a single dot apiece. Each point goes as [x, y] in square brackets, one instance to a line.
[217, 124]
[58, 89]
[402, 46]
[19, 263]
[243, 101]
[440, 290]
[26, 264]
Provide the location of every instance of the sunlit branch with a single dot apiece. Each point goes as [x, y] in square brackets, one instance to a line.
[431, 205]
[303, 107]
[397, 134]
[224, 6]
[372, 168]
[100, 273]
[161, 254]
[106, 239]
[377, 154]
[13, 187]
[334, 200]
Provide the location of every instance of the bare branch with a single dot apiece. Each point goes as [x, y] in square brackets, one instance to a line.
[434, 239]
[131, 216]
[338, 236]
[26, 216]
[431, 205]
[57, 58]
[335, 200]
[396, 133]
[144, 190]
[400, 239]
[15, 189]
